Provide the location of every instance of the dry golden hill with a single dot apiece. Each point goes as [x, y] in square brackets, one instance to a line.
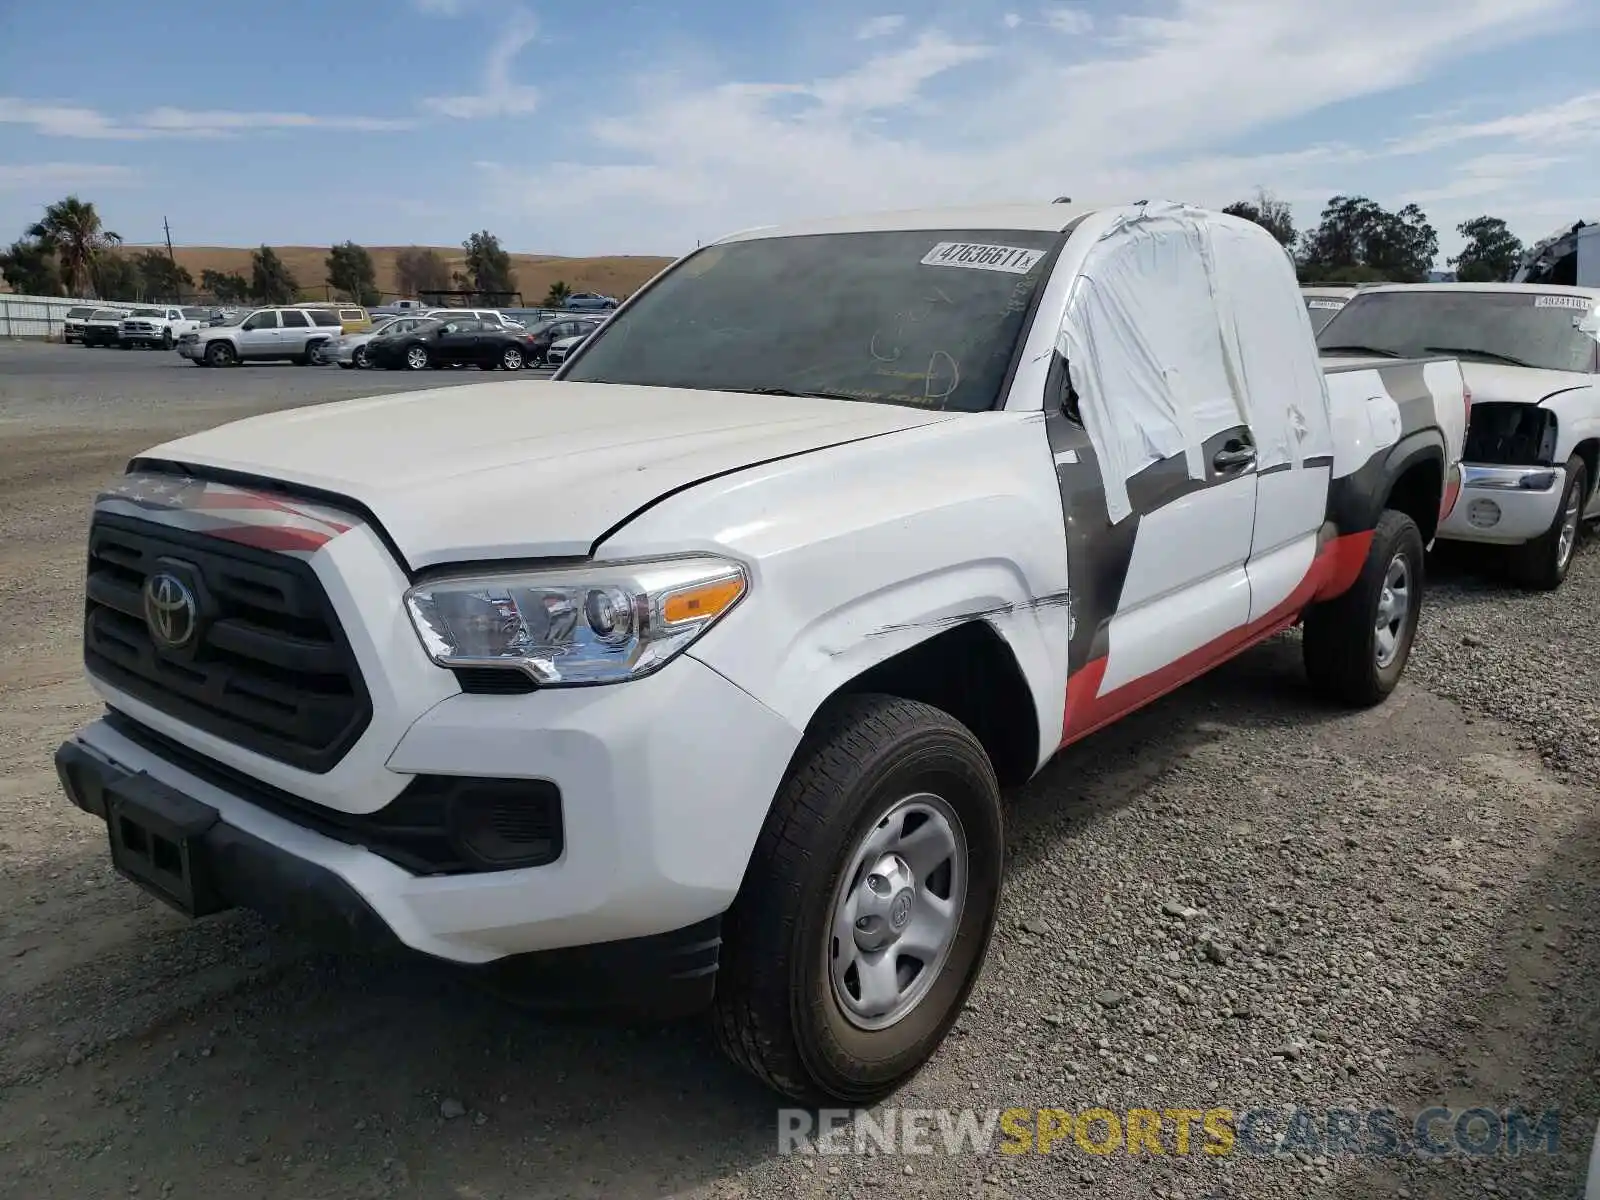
[614, 275]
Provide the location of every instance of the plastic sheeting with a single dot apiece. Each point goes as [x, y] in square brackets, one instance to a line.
[1183, 323]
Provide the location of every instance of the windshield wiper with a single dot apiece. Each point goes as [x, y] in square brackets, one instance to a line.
[1489, 354]
[779, 391]
[1375, 350]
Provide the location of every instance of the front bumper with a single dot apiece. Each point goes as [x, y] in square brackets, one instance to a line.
[658, 817]
[1504, 505]
[194, 349]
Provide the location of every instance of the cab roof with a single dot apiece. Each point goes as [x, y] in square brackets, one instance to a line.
[1046, 218]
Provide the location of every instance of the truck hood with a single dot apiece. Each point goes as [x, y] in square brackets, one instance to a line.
[528, 468]
[1505, 384]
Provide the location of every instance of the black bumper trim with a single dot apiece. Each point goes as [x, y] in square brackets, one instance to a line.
[661, 976]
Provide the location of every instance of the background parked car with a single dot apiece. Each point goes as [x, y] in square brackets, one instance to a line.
[559, 351]
[157, 325]
[352, 317]
[489, 316]
[459, 341]
[72, 323]
[1323, 303]
[546, 333]
[350, 350]
[296, 334]
[589, 302]
[102, 327]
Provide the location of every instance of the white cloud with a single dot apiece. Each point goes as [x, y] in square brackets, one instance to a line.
[880, 27]
[1571, 122]
[1011, 20]
[73, 121]
[500, 95]
[51, 176]
[1068, 20]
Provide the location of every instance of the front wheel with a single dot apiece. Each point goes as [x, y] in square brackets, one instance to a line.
[1541, 565]
[867, 906]
[220, 354]
[359, 358]
[166, 340]
[417, 358]
[1356, 645]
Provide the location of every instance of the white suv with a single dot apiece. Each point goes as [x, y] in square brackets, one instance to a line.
[296, 334]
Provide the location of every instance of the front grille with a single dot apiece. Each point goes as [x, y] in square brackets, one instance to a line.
[439, 825]
[269, 669]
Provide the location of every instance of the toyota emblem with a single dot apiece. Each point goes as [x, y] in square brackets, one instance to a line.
[170, 611]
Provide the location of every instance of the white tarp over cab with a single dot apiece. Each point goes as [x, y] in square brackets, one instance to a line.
[1184, 323]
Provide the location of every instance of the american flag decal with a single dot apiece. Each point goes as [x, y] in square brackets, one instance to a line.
[244, 515]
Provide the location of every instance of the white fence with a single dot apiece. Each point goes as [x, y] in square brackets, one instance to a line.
[37, 316]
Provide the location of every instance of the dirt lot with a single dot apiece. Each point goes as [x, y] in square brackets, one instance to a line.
[1399, 910]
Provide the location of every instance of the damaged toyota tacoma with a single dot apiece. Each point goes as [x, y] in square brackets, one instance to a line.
[691, 678]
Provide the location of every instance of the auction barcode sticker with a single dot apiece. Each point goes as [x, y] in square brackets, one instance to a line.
[1333, 304]
[980, 257]
[1581, 303]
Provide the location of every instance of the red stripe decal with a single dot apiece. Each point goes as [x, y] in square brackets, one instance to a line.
[1334, 569]
[273, 537]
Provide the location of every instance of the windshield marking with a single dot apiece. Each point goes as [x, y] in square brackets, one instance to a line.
[978, 256]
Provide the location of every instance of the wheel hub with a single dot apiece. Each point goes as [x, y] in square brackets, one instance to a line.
[883, 903]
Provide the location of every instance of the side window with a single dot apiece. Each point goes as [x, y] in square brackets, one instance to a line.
[294, 318]
[262, 320]
[324, 318]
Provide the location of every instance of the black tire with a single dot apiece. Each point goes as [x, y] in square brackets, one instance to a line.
[124, 345]
[1542, 564]
[512, 359]
[359, 359]
[221, 354]
[413, 361]
[1341, 650]
[775, 1011]
[166, 339]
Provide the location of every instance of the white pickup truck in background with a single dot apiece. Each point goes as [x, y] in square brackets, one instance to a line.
[159, 326]
[1531, 357]
[692, 677]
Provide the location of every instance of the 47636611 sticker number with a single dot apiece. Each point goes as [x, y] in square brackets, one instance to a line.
[977, 256]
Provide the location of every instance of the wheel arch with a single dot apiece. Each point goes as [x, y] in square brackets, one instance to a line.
[971, 672]
[1415, 470]
[1589, 451]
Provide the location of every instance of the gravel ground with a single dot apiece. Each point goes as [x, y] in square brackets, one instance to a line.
[1236, 898]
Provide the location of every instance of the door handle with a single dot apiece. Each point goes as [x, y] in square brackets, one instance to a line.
[1232, 457]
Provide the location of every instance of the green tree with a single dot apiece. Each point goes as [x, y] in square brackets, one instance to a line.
[30, 268]
[160, 277]
[72, 230]
[1491, 253]
[1267, 211]
[270, 280]
[421, 269]
[350, 271]
[556, 297]
[226, 288]
[1356, 232]
[488, 267]
[115, 278]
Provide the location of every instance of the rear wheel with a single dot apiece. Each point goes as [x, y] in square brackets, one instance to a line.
[1357, 644]
[1542, 564]
[867, 906]
[511, 358]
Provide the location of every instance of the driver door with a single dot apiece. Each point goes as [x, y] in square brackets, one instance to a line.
[258, 336]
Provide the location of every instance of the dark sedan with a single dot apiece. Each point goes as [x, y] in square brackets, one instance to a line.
[546, 333]
[460, 341]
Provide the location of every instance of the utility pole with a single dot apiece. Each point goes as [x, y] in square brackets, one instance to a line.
[177, 280]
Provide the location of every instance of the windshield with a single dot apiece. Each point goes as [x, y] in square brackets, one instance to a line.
[148, 312]
[78, 314]
[1521, 328]
[107, 314]
[196, 314]
[926, 318]
[1322, 310]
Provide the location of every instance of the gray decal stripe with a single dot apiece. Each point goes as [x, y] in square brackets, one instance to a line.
[1162, 482]
[1098, 552]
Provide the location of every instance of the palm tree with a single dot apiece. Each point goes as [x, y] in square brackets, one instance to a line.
[72, 230]
[557, 295]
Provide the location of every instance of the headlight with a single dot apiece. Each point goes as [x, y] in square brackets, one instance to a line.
[591, 624]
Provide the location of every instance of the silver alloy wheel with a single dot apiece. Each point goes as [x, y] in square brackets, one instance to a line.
[1569, 530]
[511, 360]
[359, 357]
[1394, 605]
[896, 911]
[416, 358]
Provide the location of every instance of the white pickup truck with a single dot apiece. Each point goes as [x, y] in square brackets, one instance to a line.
[1531, 356]
[159, 326]
[692, 677]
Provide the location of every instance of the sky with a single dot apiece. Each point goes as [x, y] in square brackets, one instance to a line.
[601, 127]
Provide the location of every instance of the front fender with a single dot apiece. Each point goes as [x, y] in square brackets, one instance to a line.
[858, 552]
[1577, 413]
